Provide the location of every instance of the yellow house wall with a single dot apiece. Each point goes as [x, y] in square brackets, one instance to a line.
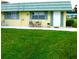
[65, 18]
[9, 22]
[2, 16]
[43, 21]
[24, 18]
[2, 19]
[14, 22]
[22, 21]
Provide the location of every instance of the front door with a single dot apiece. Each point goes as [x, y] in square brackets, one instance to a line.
[56, 19]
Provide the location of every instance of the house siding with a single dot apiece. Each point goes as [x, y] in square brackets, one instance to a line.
[9, 22]
[24, 19]
[64, 18]
[45, 21]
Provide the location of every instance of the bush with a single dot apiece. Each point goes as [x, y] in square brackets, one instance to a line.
[74, 24]
[71, 23]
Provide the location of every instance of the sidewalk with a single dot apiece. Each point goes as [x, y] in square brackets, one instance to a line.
[42, 28]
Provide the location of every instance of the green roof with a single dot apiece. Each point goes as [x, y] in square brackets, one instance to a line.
[37, 6]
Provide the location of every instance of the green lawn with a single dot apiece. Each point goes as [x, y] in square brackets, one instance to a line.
[38, 44]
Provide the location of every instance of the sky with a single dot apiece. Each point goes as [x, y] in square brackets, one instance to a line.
[73, 2]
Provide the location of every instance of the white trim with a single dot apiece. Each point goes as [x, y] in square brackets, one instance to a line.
[41, 28]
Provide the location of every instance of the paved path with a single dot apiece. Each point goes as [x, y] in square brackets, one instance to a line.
[21, 27]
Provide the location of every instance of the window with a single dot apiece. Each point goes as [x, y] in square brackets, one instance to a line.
[11, 15]
[38, 15]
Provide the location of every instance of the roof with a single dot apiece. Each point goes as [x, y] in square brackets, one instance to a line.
[37, 6]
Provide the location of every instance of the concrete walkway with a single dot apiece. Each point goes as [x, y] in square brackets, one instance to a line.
[42, 28]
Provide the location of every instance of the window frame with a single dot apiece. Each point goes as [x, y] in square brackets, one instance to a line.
[9, 16]
[45, 16]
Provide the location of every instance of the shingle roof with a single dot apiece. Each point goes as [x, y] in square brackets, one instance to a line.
[37, 6]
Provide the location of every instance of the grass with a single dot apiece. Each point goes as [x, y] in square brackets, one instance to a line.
[38, 44]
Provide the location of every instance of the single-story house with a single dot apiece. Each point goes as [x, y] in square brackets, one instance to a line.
[35, 14]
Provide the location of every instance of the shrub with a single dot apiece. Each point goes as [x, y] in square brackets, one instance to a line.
[74, 24]
[71, 23]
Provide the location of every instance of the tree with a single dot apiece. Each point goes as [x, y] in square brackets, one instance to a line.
[75, 8]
